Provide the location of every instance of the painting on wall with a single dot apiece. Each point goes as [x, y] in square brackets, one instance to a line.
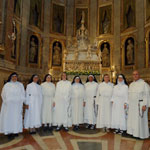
[129, 14]
[35, 13]
[17, 7]
[147, 10]
[129, 51]
[58, 19]
[105, 14]
[79, 12]
[57, 54]
[105, 51]
[33, 49]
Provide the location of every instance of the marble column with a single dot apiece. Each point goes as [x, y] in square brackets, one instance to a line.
[140, 34]
[2, 20]
[45, 50]
[93, 20]
[69, 17]
[25, 9]
[117, 42]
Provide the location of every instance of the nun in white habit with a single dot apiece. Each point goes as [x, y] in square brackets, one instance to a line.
[119, 105]
[48, 92]
[90, 111]
[103, 100]
[32, 119]
[77, 102]
[13, 96]
[62, 104]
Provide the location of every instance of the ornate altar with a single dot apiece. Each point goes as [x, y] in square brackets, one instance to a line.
[80, 56]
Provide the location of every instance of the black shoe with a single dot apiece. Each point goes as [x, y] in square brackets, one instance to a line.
[120, 132]
[75, 128]
[16, 135]
[92, 127]
[116, 132]
[30, 132]
[10, 136]
[50, 128]
[58, 128]
[45, 129]
[66, 129]
[88, 126]
[33, 132]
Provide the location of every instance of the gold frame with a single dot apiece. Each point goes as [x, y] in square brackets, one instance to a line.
[147, 52]
[39, 49]
[111, 52]
[51, 53]
[110, 3]
[81, 6]
[51, 18]
[124, 67]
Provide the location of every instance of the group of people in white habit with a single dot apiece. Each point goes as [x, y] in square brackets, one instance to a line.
[103, 105]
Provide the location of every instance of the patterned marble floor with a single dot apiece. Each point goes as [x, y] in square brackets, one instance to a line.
[82, 140]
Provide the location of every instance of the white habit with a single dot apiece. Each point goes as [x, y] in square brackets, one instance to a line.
[103, 100]
[137, 123]
[119, 98]
[77, 99]
[90, 95]
[13, 96]
[48, 92]
[32, 117]
[62, 109]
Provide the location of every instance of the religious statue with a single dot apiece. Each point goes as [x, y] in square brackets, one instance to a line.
[89, 53]
[130, 52]
[57, 54]
[82, 34]
[58, 24]
[69, 42]
[76, 54]
[105, 23]
[65, 54]
[105, 56]
[35, 12]
[13, 38]
[129, 13]
[14, 49]
[33, 52]
[58, 18]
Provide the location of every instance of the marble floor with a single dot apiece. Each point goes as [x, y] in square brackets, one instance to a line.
[84, 139]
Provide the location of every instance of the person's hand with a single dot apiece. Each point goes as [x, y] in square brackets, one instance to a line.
[53, 104]
[84, 104]
[144, 108]
[26, 106]
[125, 106]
